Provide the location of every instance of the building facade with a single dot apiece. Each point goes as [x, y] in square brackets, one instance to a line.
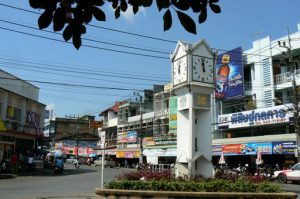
[21, 116]
[265, 118]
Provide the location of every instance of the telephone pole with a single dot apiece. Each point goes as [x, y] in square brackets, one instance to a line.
[295, 97]
[77, 132]
[140, 136]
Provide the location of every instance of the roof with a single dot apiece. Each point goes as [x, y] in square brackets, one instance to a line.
[114, 108]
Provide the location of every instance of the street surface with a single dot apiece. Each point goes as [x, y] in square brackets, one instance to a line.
[74, 183]
[77, 183]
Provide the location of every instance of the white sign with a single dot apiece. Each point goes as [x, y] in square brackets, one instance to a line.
[183, 102]
[257, 117]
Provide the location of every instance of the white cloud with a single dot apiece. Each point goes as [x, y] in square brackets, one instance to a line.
[129, 16]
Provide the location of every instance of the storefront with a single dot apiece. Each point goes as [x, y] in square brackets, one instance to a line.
[279, 152]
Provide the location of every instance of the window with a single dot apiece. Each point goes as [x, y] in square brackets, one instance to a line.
[196, 144]
[13, 113]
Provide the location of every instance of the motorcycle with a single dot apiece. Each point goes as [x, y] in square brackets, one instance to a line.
[76, 164]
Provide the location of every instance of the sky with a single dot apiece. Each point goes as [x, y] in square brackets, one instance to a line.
[91, 79]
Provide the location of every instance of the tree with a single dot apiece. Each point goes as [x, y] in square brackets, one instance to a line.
[72, 16]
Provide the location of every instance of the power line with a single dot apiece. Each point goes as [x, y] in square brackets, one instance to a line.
[73, 85]
[124, 32]
[90, 46]
[87, 39]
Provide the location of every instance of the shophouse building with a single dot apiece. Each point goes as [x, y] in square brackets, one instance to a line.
[161, 147]
[21, 116]
[263, 116]
[76, 136]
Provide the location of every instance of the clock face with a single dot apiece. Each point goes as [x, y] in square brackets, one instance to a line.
[180, 71]
[202, 69]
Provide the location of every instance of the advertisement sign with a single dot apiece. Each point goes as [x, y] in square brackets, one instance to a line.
[127, 154]
[242, 149]
[258, 117]
[229, 75]
[148, 141]
[284, 147]
[173, 115]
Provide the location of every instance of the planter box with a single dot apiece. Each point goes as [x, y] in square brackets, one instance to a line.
[128, 194]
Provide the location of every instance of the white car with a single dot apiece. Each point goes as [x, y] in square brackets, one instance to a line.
[107, 163]
[292, 174]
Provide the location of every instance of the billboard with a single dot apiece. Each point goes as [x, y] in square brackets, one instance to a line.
[173, 115]
[229, 75]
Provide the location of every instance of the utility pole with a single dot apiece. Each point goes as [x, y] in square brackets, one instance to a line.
[295, 97]
[140, 136]
[77, 132]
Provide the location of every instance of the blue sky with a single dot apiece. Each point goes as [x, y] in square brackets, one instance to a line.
[36, 59]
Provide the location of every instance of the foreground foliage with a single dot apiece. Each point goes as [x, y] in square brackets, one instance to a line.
[165, 181]
[72, 16]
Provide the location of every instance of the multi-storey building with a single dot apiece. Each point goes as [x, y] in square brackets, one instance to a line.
[21, 116]
[265, 118]
[76, 136]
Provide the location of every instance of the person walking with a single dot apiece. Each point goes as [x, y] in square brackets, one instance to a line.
[15, 162]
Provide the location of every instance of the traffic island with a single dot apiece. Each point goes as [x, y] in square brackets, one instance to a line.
[136, 194]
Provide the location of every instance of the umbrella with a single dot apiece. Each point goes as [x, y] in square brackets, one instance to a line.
[222, 159]
[259, 160]
[93, 155]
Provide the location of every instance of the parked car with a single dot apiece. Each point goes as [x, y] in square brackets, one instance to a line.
[292, 174]
[108, 162]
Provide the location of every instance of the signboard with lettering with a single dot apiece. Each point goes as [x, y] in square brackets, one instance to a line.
[287, 147]
[258, 117]
[173, 115]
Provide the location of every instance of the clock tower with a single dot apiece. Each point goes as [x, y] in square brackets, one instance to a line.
[193, 84]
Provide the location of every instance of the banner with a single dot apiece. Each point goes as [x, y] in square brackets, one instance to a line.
[173, 115]
[229, 75]
[284, 147]
[242, 149]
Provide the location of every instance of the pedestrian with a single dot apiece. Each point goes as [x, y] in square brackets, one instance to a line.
[126, 163]
[15, 162]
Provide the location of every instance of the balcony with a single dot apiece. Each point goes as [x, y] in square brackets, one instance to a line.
[283, 78]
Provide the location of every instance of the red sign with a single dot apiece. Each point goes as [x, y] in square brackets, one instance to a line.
[232, 148]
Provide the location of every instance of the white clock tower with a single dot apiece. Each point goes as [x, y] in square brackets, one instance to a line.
[193, 83]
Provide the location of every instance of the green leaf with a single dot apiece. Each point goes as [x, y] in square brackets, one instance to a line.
[162, 4]
[203, 16]
[114, 4]
[117, 12]
[37, 4]
[215, 8]
[187, 22]
[167, 20]
[45, 19]
[135, 9]
[87, 15]
[98, 2]
[124, 5]
[147, 3]
[77, 40]
[59, 19]
[98, 14]
[68, 32]
[182, 4]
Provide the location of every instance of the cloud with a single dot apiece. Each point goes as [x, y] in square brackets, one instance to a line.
[129, 16]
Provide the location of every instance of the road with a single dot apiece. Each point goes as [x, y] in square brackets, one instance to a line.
[79, 183]
[74, 183]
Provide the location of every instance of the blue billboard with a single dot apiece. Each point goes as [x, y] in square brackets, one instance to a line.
[229, 81]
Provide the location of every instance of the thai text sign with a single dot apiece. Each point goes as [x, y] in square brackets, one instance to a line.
[284, 147]
[265, 116]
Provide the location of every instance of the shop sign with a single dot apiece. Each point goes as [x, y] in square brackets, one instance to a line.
[216, 149]
[127, 154]
[264, 116]
[148, 141]
[160, 152]
[82, 151]
[173, 115]
[284, 147]
[242, 149]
